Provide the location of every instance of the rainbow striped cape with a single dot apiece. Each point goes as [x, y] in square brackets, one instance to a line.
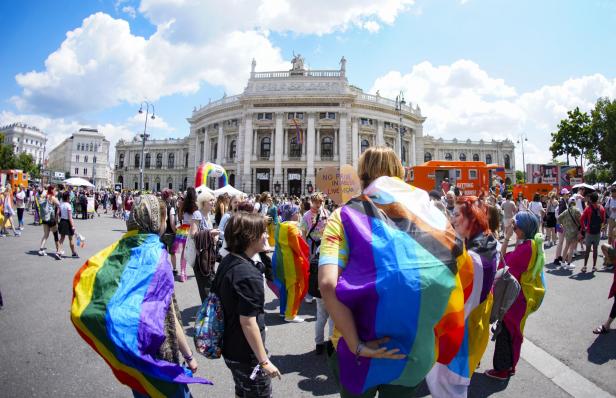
[526, 264]
[290, 267]
[401, 281]
[121, 297]
[451, 379]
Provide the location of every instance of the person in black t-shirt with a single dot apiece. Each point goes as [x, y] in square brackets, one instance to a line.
[239, 282]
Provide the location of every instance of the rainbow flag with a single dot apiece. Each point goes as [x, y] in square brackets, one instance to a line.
[211, 170]
[290, 267]
[181, 236]
[401, 280]
[526, 265]
[121, 297]
[298, 131]
[450, 377]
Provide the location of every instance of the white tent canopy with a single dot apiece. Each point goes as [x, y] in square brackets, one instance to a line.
[229, 190]
[584, 185]
[78, 182]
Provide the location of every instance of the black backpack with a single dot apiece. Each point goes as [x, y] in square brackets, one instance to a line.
[594, 226]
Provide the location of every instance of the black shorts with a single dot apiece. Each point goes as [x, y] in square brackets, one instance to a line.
[260, 387]
[168, 240]
[65, 228]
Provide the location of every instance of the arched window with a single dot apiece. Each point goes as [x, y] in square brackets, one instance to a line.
[232, 149]
[296, 148]
[448, 156]
[171, 161]
[214, 151]
[159, 160]
[327, 147]
[148, 160]
[186, 161]
[462, 156]
[507, 161]
[121, 161]
[266, 145]
[364, 145]
[94, 159]
[170, 183]
[488, 158]
[427, 157]
[121, 180]
[137, 161]
[475, 157]
[403, 155]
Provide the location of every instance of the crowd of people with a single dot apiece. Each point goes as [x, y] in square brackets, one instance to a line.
[402, 276]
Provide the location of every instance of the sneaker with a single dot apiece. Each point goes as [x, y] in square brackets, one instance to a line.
[58, 256]
[75, 255]
[296, 319]
[498, 374]
[557, 262]
[571, 266]
[17, 233]
[42, 252]
[319, 349]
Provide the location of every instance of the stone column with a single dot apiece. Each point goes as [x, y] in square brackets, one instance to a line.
[318, 145]
[310, 147]
[343, 139]
[272, 146]
[336, 142]
[416, 150]
[279, 148]
[285, 145]
[380, 139]
[221, 144]
[254, 144]
[355, 142]
[248, 139]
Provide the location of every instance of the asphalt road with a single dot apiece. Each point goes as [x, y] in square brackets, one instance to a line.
[41, 355]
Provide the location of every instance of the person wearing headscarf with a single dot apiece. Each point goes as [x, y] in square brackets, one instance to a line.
[290, 263]
[124, 307]
[526, 265]
[472, 224]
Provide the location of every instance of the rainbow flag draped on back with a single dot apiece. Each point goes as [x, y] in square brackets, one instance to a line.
[290, 267]
[526, 265]
[121, 297]
[401, 280]
[452, 378]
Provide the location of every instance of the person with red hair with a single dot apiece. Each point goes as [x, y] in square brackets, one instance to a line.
[471, 224]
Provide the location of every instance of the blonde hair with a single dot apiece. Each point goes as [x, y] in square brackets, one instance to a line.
[317, 197]
[203, 198]
[376, 162]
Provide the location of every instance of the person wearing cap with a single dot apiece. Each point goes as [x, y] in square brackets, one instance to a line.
[570, 222]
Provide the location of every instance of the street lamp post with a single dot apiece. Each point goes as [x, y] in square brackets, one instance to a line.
[144, 137]
[521, 141]
[399, 104]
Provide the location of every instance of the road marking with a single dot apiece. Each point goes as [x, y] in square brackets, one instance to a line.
[560, 374]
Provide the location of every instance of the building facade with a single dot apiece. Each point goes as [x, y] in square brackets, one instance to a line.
[165, 164]
[499, 152]
[26, 139]
[84, 154]
[287, 125]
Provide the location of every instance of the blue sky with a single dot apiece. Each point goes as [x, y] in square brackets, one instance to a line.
[478, 68]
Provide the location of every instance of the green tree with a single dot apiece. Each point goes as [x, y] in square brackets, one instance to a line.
[603, 126]
[7, 156]
[25, 161]
[519, 177]
[574, 137]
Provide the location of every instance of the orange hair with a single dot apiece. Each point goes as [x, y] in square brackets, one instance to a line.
[478, 219]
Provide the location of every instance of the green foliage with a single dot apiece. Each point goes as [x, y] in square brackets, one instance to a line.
[23, 161]
[574, 137]
[519, 177]
[603, 126]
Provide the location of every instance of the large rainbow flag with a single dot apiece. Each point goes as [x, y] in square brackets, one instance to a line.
[290, 268]
[208, 170]
[401, 280]
[526, 265]
[450, 377]
[121, 297]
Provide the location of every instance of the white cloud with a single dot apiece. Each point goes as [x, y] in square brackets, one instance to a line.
[130, 11]
[58, 129]
[102, 63]
[462, 100]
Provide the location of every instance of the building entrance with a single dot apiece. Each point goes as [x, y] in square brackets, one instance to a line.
[295, 182]
[263, 180]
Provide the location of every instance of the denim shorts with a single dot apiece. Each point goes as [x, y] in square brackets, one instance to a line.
[592, 239]
[260, 387]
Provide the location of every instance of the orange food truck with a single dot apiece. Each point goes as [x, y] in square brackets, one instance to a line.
[471, 178]
[14, 177]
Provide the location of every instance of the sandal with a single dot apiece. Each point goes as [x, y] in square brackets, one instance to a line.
[601, 330]
[583, 270]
